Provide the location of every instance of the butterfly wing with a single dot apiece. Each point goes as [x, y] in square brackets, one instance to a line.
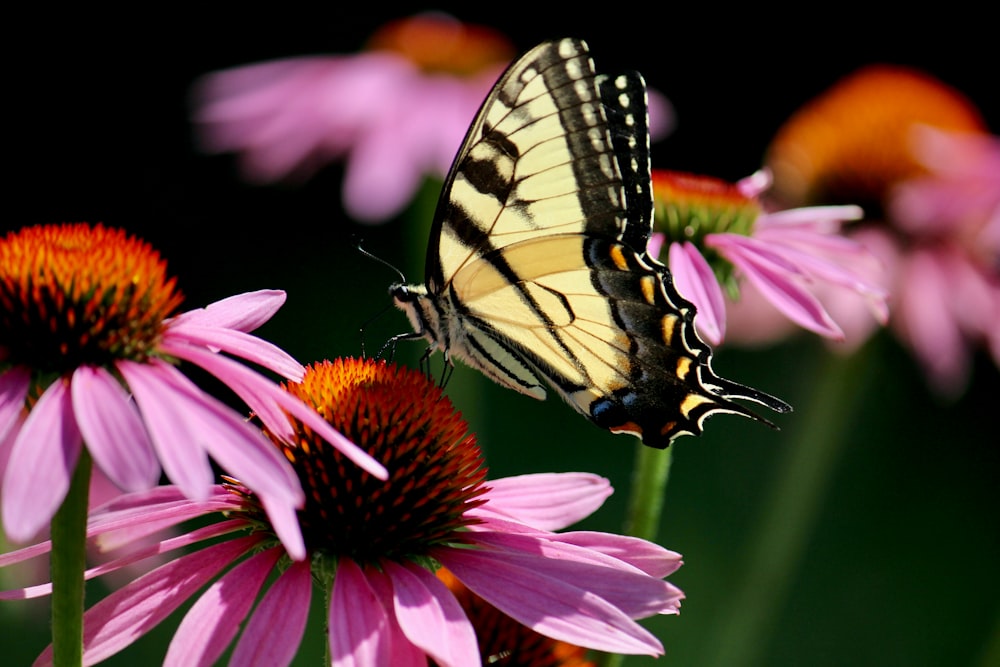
[537, 270]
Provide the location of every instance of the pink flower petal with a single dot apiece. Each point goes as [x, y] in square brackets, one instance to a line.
[550, 605]
[935, 338]
[776, 278]
[649, 557]
[172, 418]
[547, 501]
[132, 611]
[285, 524]
[113, 430]
[242, 312]
[212, 622]
[615, 580]
[431, 617]
[14, 383]
[268, 401]
[359, 632]
[137, 515]
[272, 636]
[818, 219]
[42, 460]
[238, 447]
[696, 282]
[240, 344]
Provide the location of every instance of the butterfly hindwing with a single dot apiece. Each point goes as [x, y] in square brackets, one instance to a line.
[536, 268]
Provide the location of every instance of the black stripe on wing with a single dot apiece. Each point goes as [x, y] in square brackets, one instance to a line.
[671, 386]
[625, 105]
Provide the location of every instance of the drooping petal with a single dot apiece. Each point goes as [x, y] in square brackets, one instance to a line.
[359, 624]
[628, 588]
[268, 401]
[240, 344]
[552, 606]
[547, 501]
[41, 464]
[922, 320]
[14, 383]
[113, 430]
[212, 622]
[776, 279]
[285, 523]
[132, 611]
[431, 617]
[136, 515]
[172, 420]
[649, 557]
[237, 446]
[696, 282]
[243, 312]
[272, 636]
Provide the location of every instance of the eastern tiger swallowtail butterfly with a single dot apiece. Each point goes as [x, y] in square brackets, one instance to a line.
[537, 265]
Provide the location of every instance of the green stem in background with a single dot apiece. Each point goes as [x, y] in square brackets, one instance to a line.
[67, 565]
[790, 511]
[645, 506]
[649, 486]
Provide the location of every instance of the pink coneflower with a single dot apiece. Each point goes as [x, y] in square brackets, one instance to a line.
[921, 153]
[396, 112]
[374, 546]
[89, 350]
[720, 237]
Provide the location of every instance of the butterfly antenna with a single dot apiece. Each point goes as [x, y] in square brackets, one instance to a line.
[378, 259]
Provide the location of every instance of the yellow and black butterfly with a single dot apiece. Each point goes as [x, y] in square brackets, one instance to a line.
[536, 266]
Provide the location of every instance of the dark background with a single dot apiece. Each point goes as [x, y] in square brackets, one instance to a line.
[899, 567]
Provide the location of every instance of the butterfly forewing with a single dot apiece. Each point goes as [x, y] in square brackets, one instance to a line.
[537, 266]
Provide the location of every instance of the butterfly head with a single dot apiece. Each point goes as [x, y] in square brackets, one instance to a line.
[420, 309]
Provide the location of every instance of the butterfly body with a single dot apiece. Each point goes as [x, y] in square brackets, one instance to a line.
[536, 268]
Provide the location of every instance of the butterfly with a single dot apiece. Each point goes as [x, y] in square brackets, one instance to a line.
[537, 268]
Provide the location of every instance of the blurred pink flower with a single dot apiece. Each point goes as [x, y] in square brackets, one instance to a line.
[721, 240]
[88, 355]
[374, 547]
[396, 113]
[920, 154]
[947, 261]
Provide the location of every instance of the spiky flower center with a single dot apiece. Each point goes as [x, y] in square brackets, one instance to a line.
[689, 206]
[75, 294]
[437, 42]
[854, 142]
[402, 419]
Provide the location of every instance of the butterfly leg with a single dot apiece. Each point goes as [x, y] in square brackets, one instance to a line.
[391, 343]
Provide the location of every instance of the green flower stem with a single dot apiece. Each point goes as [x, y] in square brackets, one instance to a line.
[649, 486]
[789, 513]
[67, 565]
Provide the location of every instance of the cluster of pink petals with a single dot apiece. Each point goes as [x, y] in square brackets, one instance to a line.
[793, 258]
[163, 419]
[947, 275]
[392, 122]
[396, 123]
[586, 588]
